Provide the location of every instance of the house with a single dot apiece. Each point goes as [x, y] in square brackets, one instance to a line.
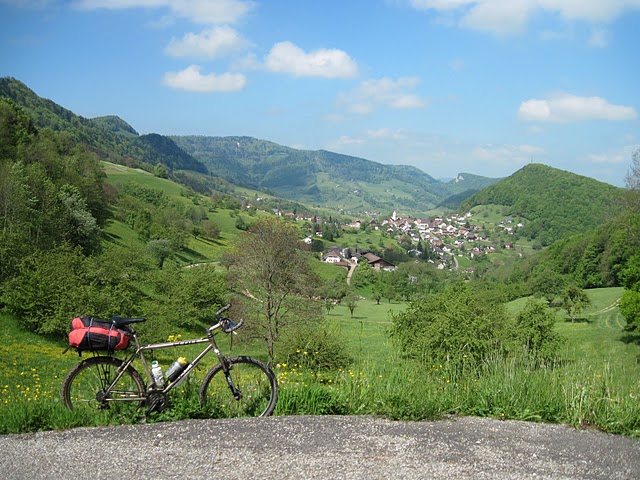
[332, 257]
[378, 263]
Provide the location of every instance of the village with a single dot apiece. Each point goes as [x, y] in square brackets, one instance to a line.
[439, 240]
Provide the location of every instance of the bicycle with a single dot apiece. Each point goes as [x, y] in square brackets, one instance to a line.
[235, 387]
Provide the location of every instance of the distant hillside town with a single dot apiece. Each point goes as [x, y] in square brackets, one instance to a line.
[438, 240]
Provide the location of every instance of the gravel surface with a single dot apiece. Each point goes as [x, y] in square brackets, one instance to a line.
[323, 447]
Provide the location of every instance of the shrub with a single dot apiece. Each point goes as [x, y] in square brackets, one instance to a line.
[315, 347]
[535, 331]
[458, 326]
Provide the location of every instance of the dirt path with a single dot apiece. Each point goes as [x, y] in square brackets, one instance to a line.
[325, 447]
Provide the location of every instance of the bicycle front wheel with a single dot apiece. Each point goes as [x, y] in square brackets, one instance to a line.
[85, 387]
[250, 391]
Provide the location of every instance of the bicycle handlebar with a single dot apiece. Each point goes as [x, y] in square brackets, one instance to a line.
[223, 309]
[225, 323]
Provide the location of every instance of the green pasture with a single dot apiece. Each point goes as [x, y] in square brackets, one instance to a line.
[596, 383]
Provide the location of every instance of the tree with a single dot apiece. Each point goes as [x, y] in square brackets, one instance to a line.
[352, 303]
[574, 301]
[240, 223]
[630, 301]
[210, 229]
[269, 267]
[630, 309]
[159, 170]
[160, 249]
[547, 284]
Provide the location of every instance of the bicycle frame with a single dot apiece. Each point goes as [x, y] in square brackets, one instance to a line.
[139, 353]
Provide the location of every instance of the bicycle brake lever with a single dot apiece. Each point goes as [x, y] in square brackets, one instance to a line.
[231, 327]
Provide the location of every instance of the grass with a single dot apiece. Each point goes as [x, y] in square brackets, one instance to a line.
[595, 384]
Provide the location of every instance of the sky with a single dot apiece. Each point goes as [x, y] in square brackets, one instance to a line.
[449, 86]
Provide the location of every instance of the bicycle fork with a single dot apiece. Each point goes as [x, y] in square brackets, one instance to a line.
[237, 394]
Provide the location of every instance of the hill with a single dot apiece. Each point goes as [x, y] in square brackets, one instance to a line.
[556, 203]
[337, 181]
[111, 137]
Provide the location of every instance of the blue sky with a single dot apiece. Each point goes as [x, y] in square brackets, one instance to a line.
[449, 86]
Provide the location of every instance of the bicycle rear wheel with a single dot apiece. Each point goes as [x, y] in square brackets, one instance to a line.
[255, 383]
[85, 385]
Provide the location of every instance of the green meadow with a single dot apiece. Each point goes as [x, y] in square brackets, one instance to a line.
[595, 384]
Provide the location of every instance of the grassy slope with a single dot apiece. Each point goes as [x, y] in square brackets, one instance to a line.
[199, 249]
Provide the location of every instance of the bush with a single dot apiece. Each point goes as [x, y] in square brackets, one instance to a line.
[53, 287]
[458, 326]
[535, 331]
[315, 347]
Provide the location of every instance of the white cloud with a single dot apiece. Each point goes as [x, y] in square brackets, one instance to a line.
[571, 108]
[285, 57]
[211, 43]
[507, 17]
[191, 80]
[199, 11]
[501, 18]
[613, 157]
[386, 92]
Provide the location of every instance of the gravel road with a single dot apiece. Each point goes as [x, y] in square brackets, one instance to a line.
[323, 447]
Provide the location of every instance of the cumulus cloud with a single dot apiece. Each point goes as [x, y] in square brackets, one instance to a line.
[572, 108]
[190, 79]
[211, 43]
[199, 11]
[285, 57]
[509, 17]
[386, 92]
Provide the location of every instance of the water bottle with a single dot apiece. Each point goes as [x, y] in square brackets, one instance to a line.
[156, 370]
[176, 368]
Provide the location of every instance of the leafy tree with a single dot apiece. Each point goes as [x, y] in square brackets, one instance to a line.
[377, 293]
[574, 301]
[83, 230]
[630, 275]
[547, 283]
[630, 309]
[240, 223]
[269, 266]
[352, 303]
[160, 249]
[210, 229]
[159, 170]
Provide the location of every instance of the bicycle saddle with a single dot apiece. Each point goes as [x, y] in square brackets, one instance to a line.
[121, 321]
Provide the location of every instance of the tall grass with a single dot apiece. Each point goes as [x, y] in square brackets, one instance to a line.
[503, 388]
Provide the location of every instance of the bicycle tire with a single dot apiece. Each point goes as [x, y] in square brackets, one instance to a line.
[85, 382]
[255, 381]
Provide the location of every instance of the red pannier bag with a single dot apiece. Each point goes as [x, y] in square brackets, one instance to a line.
[92, 334]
